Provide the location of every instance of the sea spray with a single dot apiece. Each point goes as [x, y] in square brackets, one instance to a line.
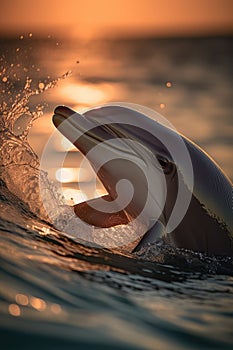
[19, 165]
[20, 168]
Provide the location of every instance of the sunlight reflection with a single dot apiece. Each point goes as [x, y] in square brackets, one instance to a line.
[86, 94]
[168, 84]
[56, 308]
[37, 303]
[22, 299]
[14, 310]
[67, 145]
[74, 196]
[66, 175]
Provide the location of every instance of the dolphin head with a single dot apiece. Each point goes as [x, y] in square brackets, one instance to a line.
[133, 165]
[149, 171]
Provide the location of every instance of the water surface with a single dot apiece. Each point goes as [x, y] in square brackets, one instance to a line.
[59, 293]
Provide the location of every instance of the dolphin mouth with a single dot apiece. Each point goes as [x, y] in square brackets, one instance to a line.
[123, 157]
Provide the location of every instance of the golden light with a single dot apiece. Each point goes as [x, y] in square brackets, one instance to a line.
[56, 309]
[74, 196]
[67, 145]
[41, 85]
[38, 304]
[162, 105]
[100, 192]
[66, 175]
[14, 310]
[85, 94]
[168, 84]
[105, 18]
[22, 299]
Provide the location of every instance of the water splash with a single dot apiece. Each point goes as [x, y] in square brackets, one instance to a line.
[17, 105]
[19, 165]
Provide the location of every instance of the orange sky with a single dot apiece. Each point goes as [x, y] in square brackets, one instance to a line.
[90, 18]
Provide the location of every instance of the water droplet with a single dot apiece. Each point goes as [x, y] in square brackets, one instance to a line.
[4, 79]
[17, 50]
[41, 86]
[21, 37]
[162, 105]
[30, 35]
[168, 84]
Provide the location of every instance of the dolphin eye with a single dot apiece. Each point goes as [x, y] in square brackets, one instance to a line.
[165, 164]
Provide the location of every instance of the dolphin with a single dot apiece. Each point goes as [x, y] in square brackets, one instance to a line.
[179, 193]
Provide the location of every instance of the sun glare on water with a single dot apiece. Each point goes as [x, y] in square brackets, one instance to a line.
[67, 145]
[70, 178]
[66, 175]
[74, 196]
[85, 94]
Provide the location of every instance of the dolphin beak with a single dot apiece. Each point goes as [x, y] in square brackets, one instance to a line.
[113, 160]
[81, 130]
[73, 126]
[62, 113]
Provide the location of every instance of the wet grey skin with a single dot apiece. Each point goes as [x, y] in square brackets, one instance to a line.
[207, 224]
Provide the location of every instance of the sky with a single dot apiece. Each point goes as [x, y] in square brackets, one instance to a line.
[93, 18]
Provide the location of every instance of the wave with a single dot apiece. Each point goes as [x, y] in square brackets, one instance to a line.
[23, 182]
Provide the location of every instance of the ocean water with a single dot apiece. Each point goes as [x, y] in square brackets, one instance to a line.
[57, 292]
